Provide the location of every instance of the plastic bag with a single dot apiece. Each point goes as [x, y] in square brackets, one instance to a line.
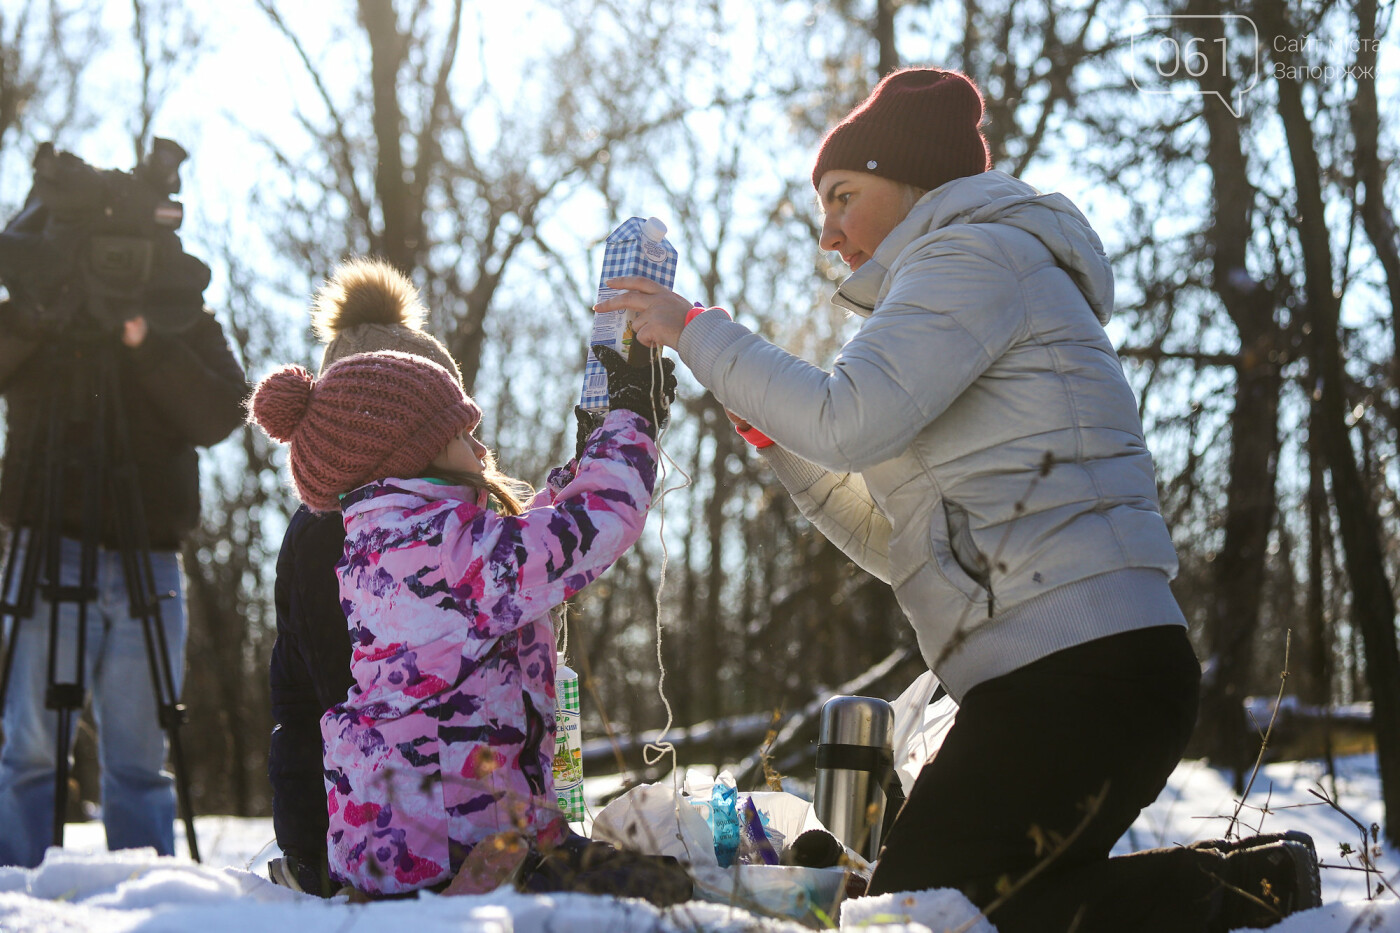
[655, 819]
[652, 818]
[724, 821]
[919, 727]
[783, 890]
[758, 843]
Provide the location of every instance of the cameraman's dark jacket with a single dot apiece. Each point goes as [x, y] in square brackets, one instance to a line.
[310, 672]
[179, 391]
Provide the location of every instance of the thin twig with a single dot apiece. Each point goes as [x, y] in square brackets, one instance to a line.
[1365, 916]
[1263, 741]
[1368, 862]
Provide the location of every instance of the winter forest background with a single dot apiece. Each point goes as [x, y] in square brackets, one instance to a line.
[1241, 173]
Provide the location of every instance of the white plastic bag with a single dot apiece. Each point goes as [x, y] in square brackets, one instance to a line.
[919, 727]
[652, 818]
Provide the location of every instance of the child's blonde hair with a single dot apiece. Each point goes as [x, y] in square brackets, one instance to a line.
[506, 490]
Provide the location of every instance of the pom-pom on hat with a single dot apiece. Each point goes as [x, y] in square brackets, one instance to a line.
[919, 126]
[368, 416]
[368, 305]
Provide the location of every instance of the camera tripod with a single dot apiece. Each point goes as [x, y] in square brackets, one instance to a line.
[83, 403]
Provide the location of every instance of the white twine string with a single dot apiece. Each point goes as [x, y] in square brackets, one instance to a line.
[654, 751]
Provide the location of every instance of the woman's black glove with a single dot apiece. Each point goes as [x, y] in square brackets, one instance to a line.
[588, 422]
[647, 390]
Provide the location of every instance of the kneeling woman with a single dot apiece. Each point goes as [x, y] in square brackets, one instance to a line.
[977, 446]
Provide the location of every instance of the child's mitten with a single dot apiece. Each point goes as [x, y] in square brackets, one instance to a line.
[647, 390]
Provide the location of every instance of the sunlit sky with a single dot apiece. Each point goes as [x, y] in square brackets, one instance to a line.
[245, 81]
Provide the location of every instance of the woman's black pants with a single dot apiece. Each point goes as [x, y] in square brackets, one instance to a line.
[1060, 756]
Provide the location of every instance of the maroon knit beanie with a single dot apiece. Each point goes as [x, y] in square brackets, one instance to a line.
[919, 126]
[369, 416]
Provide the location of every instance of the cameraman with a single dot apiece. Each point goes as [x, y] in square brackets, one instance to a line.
[180, 389]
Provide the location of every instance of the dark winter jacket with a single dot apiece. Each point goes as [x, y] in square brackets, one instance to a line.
[310, 673]
[178, 391]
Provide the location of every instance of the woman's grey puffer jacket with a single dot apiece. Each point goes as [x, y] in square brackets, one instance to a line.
[976, 444]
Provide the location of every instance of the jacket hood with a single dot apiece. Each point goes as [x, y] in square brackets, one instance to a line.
[991, 198]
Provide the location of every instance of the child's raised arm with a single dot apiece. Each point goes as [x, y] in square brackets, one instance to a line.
[517, 567]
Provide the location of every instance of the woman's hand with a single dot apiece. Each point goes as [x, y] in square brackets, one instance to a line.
[748, 432]
[661, 312]
[740, 423]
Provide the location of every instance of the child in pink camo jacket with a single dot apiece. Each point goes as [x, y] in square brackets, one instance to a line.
[447, 736]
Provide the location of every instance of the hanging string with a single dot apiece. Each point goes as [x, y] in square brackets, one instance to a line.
[658, 749]
[653, 752]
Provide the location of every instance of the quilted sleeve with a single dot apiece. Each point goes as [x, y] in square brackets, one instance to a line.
[952, 309]
[840, 507]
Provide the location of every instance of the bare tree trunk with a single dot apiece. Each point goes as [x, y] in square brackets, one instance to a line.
[711, 654]
[1238, 571]
[970, 48]
[1376, 217]
[1372, 601]
[1318, 662]
[387, 51]
[885, 36]
[224, 636]
[1316, 686]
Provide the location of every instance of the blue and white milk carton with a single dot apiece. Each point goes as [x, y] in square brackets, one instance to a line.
[636, 247]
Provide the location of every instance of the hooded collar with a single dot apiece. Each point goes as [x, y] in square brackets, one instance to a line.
[991, 197]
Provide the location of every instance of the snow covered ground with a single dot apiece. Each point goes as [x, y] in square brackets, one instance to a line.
[84, 888]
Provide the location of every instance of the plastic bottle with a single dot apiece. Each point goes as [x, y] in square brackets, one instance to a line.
[636, 247]
[568, 747]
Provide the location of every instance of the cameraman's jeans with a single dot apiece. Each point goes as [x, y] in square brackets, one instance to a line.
[138, 796]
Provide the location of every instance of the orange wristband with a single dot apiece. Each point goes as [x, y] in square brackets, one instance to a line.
[755, 437]
[700, 309]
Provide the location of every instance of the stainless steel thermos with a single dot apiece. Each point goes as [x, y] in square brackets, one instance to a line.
[854, 761]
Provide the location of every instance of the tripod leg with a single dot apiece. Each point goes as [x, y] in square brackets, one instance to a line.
[163, 657]
[172, 712]
[145, 589]
[18, 596]
[60, 774]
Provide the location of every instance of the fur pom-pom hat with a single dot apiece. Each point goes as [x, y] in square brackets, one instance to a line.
[920, 126]
[368, 305]
[368, 416]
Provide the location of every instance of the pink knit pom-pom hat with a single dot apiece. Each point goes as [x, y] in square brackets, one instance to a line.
[369, 416]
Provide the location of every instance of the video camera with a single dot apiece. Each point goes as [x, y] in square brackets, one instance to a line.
[93, 248]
